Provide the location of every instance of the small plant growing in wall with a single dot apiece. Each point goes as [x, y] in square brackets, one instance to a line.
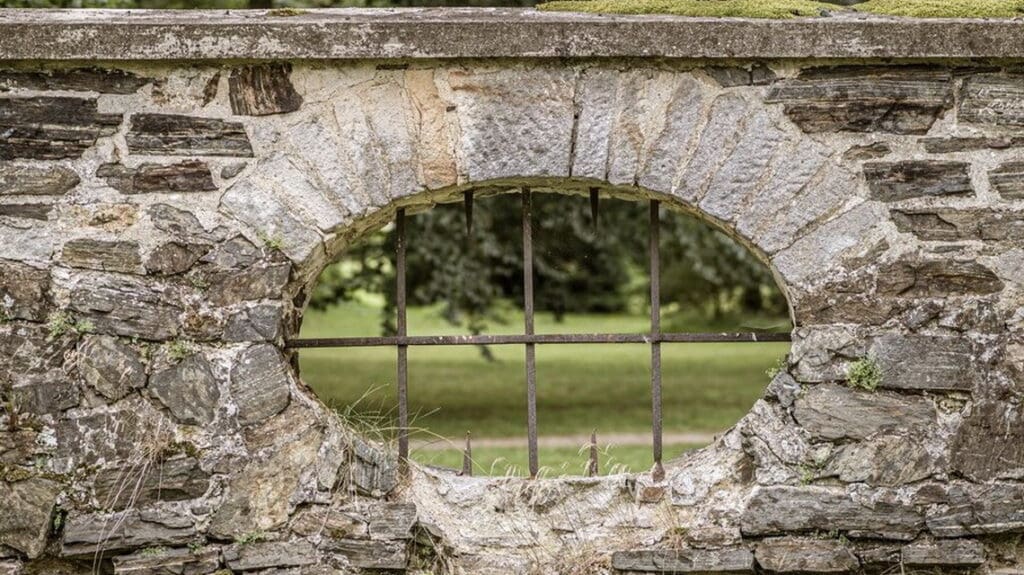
[778, 367]
[251, 537]
[864, 373]
[275, 243]
[179, 350]
[61, 322]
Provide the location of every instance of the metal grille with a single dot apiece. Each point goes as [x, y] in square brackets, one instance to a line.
[401, 341]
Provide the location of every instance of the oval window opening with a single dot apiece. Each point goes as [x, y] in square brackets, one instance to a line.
[599, 354]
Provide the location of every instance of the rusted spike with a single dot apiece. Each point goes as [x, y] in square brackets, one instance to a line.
[592, 465]
[595, 203]
[467, 458]
[467, 201]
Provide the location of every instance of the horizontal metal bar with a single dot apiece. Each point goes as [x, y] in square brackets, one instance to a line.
[562, 338]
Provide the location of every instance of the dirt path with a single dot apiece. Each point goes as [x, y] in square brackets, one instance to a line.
[695, 438]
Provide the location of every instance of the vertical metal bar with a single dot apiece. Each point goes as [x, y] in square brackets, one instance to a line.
[403, 350]
[592, 464]
[467, 200]
[657, 472]
[531, 360]
[467, 458]
[595, 204]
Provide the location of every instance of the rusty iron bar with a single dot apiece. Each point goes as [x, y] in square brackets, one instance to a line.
[467, 201]
[403, 350]
[467, 458]
[531, 352]
[592, 464]
[657, 472]
[543, 338]
[595, 205]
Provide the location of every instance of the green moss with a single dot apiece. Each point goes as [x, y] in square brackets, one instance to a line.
[778, 9]
[864, 373]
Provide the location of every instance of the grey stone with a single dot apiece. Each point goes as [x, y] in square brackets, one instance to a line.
[261, 322]
[26, 513]
[1008, 180]
[913, 276]
[805, 555]
[92, 79]
[865, 99]
[256, 282]
[260, 384]
[374, 470]
[264, 555]
[33, 180]
[11, 567]
[992, 100]
[728, 560]
[181, 224]
[323, 520]
[365, 554]
[888, 460]
[783, 389]
[830, 411]
[235, 253]
[182, 177]
[90, 438]
[944, 224]
[755, 75]
[778, 510]
[111, 367]
[969, 144]
[25, 241]
[232, 170]
[263, 89]
[111, 256]
[989, 444]
[33, 211]
[979, 510]
[173, 479]
[164, 561]
[895, 181]
[174, 135]
[392, 521]
[24, 292]
[871, 151]
[175, 257]
[921, 362]
[829, 244]
[88, 534]
[264, 212]
[127, 306]
[943, 553]
[51, 127]
[189, 390]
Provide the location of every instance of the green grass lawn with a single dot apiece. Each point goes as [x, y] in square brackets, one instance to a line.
[452, 390]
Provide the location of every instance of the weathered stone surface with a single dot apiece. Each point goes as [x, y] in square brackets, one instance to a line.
[871, 151]
[112, 367]
[945, 224]
[127, 306]
[264, 555]
[895, 181]
[189, 390]
[187, 176]
[828, 244]
[25, 514]
[889, 460]
[175, 479]
[51, 127]
[103, 255]
[979, 510]
[258, 323]
[34, 211]
[989, 444]
[181, 224]
[235, 253]
[925, 362]
[916, 277]
[163, 561]
[993, 100]
[260, 383]
[392, 521]
[174, 135]
[102, 80]
[968, 144]
[727, 77]
[263, 211]
[729, 560]
[780, 509]
[948, 553]
[1008, 180]
[830, 411]
[263, 89]
[87, 534]
[175, 257]
[805, 555]
[865, 99]
[322, 520]
[24, 292]
[374, 469]
[365, 554]
[256, 282]
[33, 180]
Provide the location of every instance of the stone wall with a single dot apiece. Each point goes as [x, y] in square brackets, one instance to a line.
[161, 225]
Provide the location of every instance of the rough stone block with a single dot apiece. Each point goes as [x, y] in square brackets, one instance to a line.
[183, 177]
[925, 362]
[969, 144]
[260, 208]
[25, 514]
[92, 79]
[257, 323]
[34, 211]
[830, 411]
[174, 135]
[912, 276]
[51, 127]
[895, 181]
[943, 553]
[189, 390]
[88, 534]
[127, 306]
[174, 479]
[989, 444]
[269, 554]
[983, 509]
[163, 561]
[948, 224]
[871, 151]
[888, 460]
[174, 258]
[34, 180]
[366, 554]
[392, 521]
[993, 100]
[865, 99]
[112, 367]
[322, 520]
[778, 510]
[103, 255]
[260, 383]
[728, 560]
[263, 89]
[805, 555]
[728, 77]
[24, 292]
[1008, 180]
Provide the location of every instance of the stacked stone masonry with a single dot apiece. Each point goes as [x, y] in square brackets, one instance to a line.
[161, 225]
